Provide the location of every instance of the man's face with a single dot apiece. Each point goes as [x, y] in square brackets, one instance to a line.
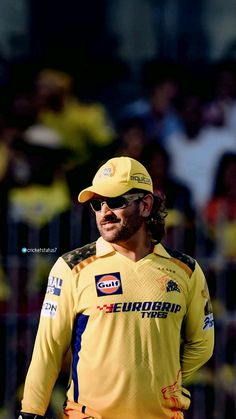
[119, 225]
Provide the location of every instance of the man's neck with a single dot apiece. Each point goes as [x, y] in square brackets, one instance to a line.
[135, 248]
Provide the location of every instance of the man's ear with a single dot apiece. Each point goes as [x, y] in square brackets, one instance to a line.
[146, 205]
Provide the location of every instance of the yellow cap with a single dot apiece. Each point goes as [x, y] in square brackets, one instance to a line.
[116, 177]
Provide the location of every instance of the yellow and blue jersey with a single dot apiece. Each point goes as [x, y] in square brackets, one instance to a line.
[136, 330]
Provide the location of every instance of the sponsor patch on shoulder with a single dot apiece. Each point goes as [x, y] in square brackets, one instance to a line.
[49, 309]
[54, 285]
[108, 284]
[208, 321]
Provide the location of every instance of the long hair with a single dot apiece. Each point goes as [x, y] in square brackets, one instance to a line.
[156, 219]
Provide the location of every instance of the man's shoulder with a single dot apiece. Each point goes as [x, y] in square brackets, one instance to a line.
[74, 257]
[183, 259]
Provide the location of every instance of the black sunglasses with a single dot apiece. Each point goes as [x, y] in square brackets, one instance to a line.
[118, 202]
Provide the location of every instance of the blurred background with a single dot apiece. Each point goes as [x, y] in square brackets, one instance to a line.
[81, 82]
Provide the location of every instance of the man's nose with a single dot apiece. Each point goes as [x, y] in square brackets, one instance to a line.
[104, 208]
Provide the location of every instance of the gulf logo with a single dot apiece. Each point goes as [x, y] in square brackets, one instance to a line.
[108, 284]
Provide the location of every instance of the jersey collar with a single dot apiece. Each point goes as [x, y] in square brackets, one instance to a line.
[160, 251]
[104, 248]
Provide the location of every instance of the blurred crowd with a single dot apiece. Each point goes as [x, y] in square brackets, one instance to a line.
[183, 128]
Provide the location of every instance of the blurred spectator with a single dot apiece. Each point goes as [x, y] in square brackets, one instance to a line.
[82, 127]
[38, 214]
[38, 191]
[62, 121]
[220, 212]
[8, 134]
[131, 139]
[157, 110]
[221, 110]
[196, 151]
[180, 223]
[35, 194]
[219, 217]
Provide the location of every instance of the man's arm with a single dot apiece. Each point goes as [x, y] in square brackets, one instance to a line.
[198, 326]
[52, 340]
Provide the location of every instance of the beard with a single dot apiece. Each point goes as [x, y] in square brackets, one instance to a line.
[120, 230]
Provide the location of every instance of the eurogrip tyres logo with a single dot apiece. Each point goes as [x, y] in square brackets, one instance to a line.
[108, 284]
[147, 309]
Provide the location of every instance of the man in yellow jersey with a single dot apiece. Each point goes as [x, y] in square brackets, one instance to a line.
[136, 315]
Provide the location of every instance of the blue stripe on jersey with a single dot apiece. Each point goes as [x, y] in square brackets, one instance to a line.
[79, 328]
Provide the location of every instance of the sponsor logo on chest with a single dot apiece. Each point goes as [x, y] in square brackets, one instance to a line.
[108, 284]
[147, 309]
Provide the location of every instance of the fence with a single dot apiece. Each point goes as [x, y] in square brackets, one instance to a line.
[29, 255]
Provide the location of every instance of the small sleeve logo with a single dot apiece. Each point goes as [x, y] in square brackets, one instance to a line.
[54, 285]
[49, 309]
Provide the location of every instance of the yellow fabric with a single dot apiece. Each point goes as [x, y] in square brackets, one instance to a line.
[124, 319]
[227, 240]
[39, 204]
[4, 157]
[174, 218]
[80, 126]
[5, 291]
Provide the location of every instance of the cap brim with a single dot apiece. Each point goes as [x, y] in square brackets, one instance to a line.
[105, 189]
